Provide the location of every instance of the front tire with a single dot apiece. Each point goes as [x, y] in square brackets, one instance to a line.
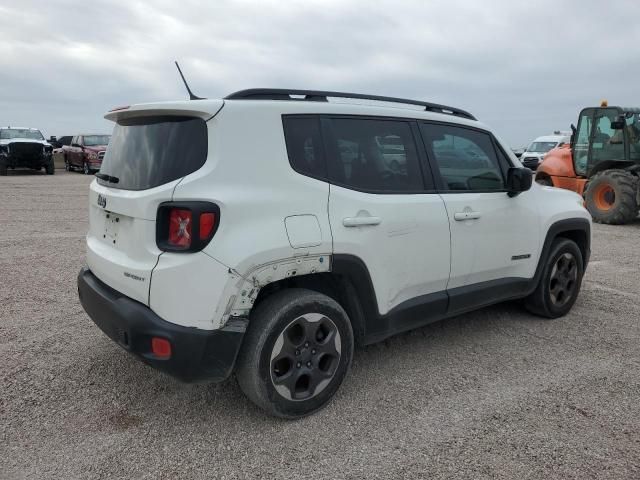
[85, 169]
[50, 167]
[560, 282]
[611, 197]
[296, 353]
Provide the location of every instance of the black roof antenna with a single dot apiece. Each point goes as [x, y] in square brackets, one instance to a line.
[191, 95]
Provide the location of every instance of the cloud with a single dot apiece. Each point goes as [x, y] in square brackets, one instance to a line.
[526, 68]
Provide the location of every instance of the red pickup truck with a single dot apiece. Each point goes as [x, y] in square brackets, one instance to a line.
[85, 153]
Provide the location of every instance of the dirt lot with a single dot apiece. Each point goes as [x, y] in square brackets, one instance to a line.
[493, 394]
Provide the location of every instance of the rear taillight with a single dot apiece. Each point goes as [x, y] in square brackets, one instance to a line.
[180, 228]
[186, 226]
[207, 224]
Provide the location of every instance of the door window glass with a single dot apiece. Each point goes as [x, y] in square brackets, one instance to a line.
[633, 133]
[607, 144]
[465, 158]
[581, 144]
[304, 145]
[377, 156]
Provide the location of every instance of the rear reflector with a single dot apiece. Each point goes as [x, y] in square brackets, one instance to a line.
[161, 347]
[207, 222]
[180, 228]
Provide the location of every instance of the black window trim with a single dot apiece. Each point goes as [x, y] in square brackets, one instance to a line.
[438, 180]
[428, 180]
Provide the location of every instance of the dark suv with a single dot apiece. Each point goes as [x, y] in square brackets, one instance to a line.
[24, 148]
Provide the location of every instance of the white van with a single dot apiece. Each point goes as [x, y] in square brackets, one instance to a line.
[535, 152]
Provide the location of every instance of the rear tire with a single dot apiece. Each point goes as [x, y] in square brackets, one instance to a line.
[560, 283]
[611, 197]
[3, 167]
[296, 353]
[67, 167]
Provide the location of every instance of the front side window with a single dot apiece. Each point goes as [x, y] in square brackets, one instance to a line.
[371, 155]
[465, 158]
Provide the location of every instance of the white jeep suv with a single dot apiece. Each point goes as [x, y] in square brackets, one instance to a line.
[266, 233]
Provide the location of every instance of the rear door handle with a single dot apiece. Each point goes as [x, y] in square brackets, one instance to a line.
[361, 221]
[460, 216]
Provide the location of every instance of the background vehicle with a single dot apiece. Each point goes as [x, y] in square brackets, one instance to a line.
[58, 142]
[264, 234]
[85, 152]
[518, 151]
[24, 148]
[534, 154]
[602, 163]
[58, 152]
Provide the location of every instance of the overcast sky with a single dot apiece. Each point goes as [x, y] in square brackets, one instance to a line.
[523, 67]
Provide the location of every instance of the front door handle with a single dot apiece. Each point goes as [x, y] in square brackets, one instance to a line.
[467, 215]
[361, 221]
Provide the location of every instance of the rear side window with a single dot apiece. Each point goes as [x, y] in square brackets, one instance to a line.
[145, 152]
[465, 158]
[304, 145]
[377, 156]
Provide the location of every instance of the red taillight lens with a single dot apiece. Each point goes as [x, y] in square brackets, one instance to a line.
[186, 227]
[161, 347]
[207, 222]
[180, 223]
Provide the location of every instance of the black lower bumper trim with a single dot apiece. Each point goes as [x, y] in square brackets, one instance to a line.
[196, 354]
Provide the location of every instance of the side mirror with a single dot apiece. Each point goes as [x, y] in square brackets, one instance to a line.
[573, 135]
[518, 180]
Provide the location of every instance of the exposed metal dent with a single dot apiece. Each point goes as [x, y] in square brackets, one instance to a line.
[243, 290]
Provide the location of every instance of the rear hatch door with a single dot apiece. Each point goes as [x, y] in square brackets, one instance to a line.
[146, 158]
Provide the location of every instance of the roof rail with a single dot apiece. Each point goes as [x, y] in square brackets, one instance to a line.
[321, 96]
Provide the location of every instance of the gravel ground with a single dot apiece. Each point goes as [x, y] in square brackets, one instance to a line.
[493, 394]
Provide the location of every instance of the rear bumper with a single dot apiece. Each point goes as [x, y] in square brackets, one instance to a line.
[196, 354]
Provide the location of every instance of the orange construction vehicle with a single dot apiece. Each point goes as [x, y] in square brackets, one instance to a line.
[601, 163]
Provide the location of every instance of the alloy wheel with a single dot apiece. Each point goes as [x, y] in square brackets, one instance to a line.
[305, 357]
[563, 280]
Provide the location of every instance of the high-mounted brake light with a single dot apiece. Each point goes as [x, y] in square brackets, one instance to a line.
[186, 226]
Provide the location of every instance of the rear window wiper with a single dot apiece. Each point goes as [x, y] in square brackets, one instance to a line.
[107, 178]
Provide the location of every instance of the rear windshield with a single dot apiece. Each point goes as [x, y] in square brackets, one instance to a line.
[145, 152]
